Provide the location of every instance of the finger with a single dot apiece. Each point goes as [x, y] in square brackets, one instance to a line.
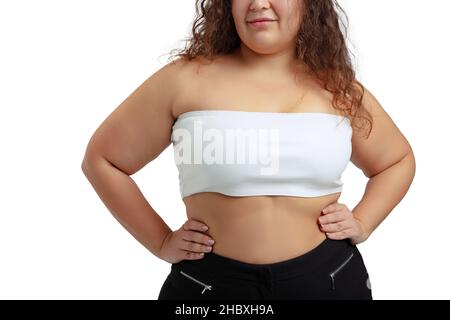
[188, 255]
[335, 206]
[335, 227]
[192, 224]
[197, 237]
[195, 247]
[340, 235]
[334, 217]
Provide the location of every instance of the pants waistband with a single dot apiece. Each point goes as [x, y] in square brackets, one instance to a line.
[215, 265]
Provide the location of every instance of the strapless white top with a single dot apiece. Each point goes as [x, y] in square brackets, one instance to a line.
[250, 153]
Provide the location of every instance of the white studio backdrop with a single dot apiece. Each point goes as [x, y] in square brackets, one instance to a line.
[65, 65]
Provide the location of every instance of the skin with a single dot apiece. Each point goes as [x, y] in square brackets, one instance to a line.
[258, 76]
[268, 51]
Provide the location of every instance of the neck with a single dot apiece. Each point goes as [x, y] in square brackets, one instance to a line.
[270, 63]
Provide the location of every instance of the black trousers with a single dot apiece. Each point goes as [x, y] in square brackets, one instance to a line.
[332, 270]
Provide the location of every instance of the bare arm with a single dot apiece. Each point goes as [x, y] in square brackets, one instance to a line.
[387, 159]
[134, 134]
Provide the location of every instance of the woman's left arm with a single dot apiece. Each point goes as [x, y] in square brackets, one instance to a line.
[387, 159]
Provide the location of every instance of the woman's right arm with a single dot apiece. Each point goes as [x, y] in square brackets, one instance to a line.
[134, 134]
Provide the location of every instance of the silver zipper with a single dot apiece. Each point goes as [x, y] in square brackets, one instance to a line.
[333, 274]
[206, 286]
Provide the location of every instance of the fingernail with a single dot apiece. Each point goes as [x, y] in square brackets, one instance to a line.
[205, 228]
[210, 241]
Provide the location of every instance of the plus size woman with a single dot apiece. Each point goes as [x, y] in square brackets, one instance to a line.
[275, 76]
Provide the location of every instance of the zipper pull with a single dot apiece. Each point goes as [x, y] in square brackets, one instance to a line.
[206, 287]
[332, 274]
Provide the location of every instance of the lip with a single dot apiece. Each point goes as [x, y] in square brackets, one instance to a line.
[260, 20]
[261, 23]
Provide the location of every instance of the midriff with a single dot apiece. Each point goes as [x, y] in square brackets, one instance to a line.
[260, 229]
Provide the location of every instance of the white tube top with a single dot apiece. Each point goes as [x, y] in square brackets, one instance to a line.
[250, 153]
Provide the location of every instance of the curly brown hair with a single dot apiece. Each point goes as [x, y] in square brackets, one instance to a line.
[320, 46]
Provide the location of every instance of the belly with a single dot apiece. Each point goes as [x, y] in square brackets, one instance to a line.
[260, 229]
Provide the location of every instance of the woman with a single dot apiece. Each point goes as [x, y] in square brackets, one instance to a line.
[279, 231]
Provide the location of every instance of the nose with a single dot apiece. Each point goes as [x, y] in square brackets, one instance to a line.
[259, 4]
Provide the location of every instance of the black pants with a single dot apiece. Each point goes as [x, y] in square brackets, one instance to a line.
[332, 270]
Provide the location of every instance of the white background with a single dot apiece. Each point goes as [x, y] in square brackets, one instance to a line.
[65, 65]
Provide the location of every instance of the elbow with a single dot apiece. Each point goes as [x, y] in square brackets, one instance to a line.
[409, 164]
[85, 166]
[88, 162]
[94, 162]
[91, 157]
[412, 160]
[408, 161]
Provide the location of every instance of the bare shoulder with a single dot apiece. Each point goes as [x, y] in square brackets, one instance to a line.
[386, 144]
[193, 76]
[175, 82]
[171, 79]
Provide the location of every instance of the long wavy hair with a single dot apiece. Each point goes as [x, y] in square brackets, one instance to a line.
[320, 46]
